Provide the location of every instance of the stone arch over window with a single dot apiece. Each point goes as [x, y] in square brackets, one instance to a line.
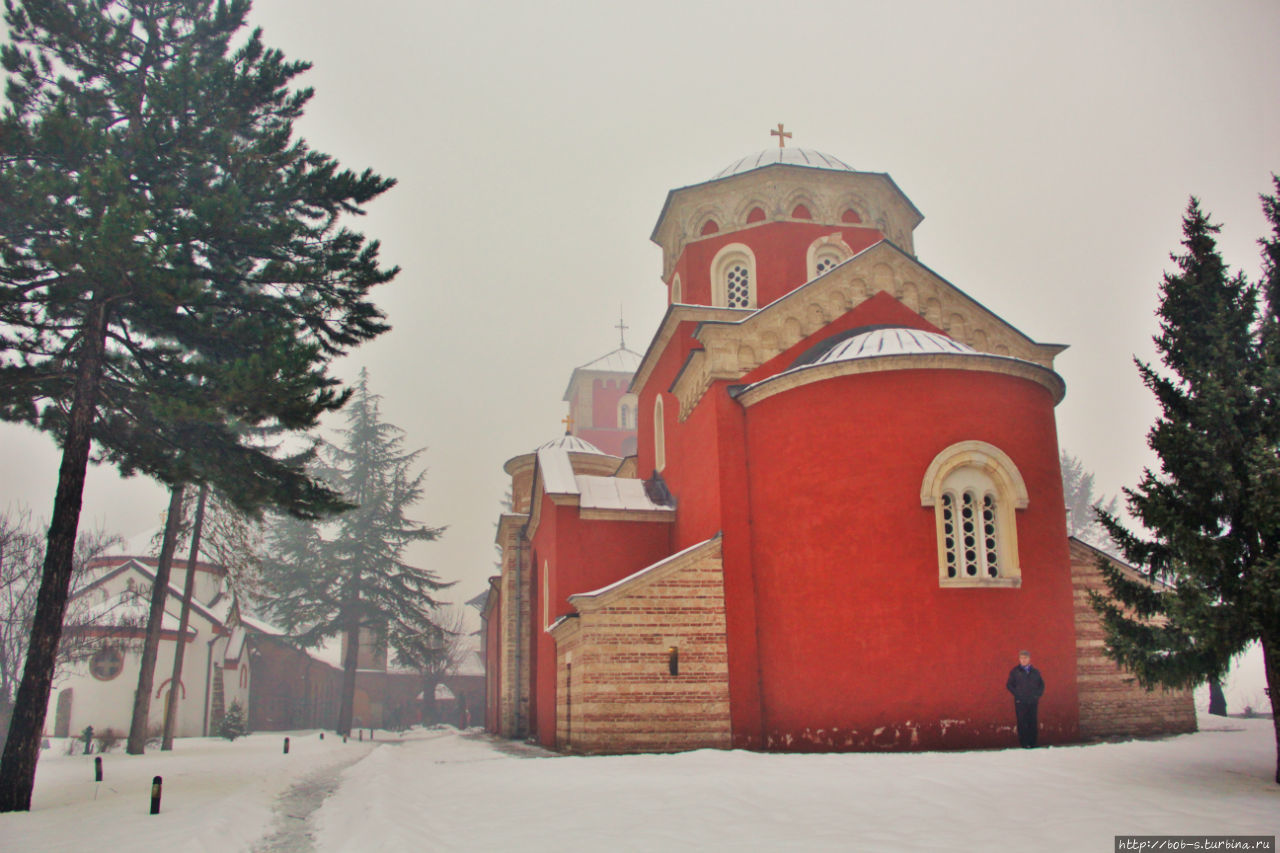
[975, 489]
[708, 227]
[733, 277]
[659, 435]
[756, 215]
[825, 252]
[677, 289]
[801, 211]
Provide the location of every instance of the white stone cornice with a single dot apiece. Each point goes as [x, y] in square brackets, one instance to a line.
[1003, 365]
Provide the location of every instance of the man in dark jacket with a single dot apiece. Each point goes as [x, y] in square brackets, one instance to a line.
[1027, 686]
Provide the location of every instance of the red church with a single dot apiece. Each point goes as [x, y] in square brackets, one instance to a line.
[841, 519]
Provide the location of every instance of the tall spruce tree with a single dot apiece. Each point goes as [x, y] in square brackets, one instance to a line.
[1213, 510]
[351, 575]
[172, 267]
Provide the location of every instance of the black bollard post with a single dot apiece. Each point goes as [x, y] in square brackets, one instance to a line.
[362, 735]
[156, 784]
[344, 738]
[322, 736]
[97, 769]
[286, 746]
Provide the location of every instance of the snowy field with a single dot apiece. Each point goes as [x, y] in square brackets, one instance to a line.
[441, 789]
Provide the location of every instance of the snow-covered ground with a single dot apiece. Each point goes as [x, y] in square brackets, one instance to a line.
[441, 789]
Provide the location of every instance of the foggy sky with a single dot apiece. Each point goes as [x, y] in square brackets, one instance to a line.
[1052, 152]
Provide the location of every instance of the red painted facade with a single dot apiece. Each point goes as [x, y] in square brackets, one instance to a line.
[840, 633]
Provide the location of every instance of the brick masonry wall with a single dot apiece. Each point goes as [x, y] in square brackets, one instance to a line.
[615, 692]
[1112, 703]
[513, 700]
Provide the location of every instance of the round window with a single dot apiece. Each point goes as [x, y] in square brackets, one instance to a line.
[106, 663]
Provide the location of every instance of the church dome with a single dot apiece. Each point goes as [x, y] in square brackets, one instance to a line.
[572, 444]
[807, 157]
[893, 341]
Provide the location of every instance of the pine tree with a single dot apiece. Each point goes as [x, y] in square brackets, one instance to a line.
[1213, 510]
[171, 268]
[351, 575]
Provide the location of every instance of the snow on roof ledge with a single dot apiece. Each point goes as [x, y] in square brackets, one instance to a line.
[622, 493]
[647, 570]
[557, 471]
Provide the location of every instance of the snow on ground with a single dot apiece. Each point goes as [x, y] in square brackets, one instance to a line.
[445, 790]
[217, 794]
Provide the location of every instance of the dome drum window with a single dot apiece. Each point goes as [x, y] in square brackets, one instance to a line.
[733, 281]
[975, 489]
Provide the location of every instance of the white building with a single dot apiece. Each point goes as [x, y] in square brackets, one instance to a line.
[112, 612]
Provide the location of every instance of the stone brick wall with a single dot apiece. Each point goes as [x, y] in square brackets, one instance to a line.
[513, 690]
[1112, 703]
[614, 689]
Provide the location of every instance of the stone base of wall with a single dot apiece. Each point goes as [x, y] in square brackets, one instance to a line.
[1112, 703]
[615, 688]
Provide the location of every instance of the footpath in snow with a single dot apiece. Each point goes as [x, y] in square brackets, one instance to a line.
[445, 790]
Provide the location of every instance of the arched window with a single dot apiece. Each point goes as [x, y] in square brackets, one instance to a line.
[733, 277]
[659, 436]
[974, 488]
[546, 595]
[677, 290]
[627, 412]
[825, 252]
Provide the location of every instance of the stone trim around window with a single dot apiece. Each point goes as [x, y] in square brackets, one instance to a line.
[975, 488]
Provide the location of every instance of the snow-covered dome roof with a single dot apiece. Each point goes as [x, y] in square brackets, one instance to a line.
[572, 444]
[893, 341]
[788, 156]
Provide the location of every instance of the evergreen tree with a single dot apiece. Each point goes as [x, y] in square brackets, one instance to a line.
[1213, 510]
[1077, 488]
[232, 725]
[351, 575]
[171, 268]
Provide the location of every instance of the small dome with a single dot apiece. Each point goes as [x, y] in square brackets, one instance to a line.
[572, 444]
[788, 156]
[893, 341]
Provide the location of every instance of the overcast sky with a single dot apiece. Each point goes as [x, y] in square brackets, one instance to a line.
[1052, 152]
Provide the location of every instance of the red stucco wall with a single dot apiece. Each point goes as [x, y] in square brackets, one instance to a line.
[583, 555]
[781, 252]
[859, 647]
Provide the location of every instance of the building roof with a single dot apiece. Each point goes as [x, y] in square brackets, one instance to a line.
[786, 156]
[893, 341]
[571, 444]
[619, 493]
[621, 360]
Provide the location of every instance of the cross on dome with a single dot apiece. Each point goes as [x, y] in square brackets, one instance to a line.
[783, 135]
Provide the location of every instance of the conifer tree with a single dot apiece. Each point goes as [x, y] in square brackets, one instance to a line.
[172, 268]
[351, 575]
[1213, 510]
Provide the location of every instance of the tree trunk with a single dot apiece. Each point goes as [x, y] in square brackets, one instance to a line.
[347, 706]
[155, 621]
[430, 714]
[1271, 661]
[1217, 701]
[179, 652]
[26, 726]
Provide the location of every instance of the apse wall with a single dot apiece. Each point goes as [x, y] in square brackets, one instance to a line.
[859, 646]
